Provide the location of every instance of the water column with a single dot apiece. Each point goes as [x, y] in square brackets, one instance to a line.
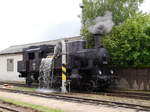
[45, 73]
[64, 70]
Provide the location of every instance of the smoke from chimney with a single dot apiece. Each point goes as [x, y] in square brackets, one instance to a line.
[102, 24]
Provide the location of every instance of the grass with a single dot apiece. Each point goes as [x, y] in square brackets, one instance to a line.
[24, 88]
[28, 105]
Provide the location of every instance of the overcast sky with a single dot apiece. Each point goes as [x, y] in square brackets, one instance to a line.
[27, 21]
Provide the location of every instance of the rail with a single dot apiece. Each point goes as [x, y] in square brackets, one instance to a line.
[81, 100]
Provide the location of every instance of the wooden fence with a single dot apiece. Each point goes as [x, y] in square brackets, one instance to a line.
[133, 78]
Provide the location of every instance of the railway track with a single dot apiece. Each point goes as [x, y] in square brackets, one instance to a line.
[19, 84]
[122, 94]
[138, 108]
[7, 109]
[10, 107]
[133, 95]
[125, 94]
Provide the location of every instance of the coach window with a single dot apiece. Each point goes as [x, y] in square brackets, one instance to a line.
[10, 65]
[31, 56]
[41, 54]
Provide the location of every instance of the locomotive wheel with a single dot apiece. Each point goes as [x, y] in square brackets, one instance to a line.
[28, 82]
[91, 86]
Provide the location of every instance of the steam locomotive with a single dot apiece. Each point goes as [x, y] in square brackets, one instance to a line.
[87, 69]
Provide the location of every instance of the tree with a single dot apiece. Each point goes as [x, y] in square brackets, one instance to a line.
[129, 43]
[121, 9]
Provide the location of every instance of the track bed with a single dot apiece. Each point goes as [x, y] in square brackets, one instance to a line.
[83, 100]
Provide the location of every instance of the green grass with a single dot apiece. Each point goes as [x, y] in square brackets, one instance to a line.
[24, 88]
[28, 105]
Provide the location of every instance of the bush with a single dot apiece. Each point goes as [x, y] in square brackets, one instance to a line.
[129, 43]
[121, 10]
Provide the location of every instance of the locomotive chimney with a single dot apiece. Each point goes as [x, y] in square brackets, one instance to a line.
[97, 39]
[102, 25]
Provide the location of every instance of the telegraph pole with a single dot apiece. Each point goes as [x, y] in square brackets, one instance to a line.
[64, 67]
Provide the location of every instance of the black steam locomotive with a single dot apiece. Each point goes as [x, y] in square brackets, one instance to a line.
[87, 69]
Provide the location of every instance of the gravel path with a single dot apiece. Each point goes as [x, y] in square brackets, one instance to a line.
[63, 105]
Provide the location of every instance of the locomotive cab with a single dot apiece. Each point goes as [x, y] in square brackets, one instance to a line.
[29, 66]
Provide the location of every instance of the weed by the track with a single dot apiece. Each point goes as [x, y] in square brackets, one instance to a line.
[24, 88]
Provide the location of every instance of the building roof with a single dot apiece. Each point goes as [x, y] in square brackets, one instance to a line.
[19, 48]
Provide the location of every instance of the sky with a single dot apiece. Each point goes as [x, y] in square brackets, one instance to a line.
[28, 21]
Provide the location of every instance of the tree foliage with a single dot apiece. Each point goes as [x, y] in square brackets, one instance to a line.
[129, 43]
[121, 9]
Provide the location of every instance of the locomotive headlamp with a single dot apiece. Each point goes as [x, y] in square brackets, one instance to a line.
[111, 71]
[100, 72]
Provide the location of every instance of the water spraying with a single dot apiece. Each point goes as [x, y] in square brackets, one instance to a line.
[46, 72]
[46, 76]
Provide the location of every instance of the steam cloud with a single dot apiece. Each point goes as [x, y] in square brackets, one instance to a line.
[102, 24]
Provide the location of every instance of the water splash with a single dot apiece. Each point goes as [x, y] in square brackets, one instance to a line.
[43, 90]
[102, 24]
[46, 75]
